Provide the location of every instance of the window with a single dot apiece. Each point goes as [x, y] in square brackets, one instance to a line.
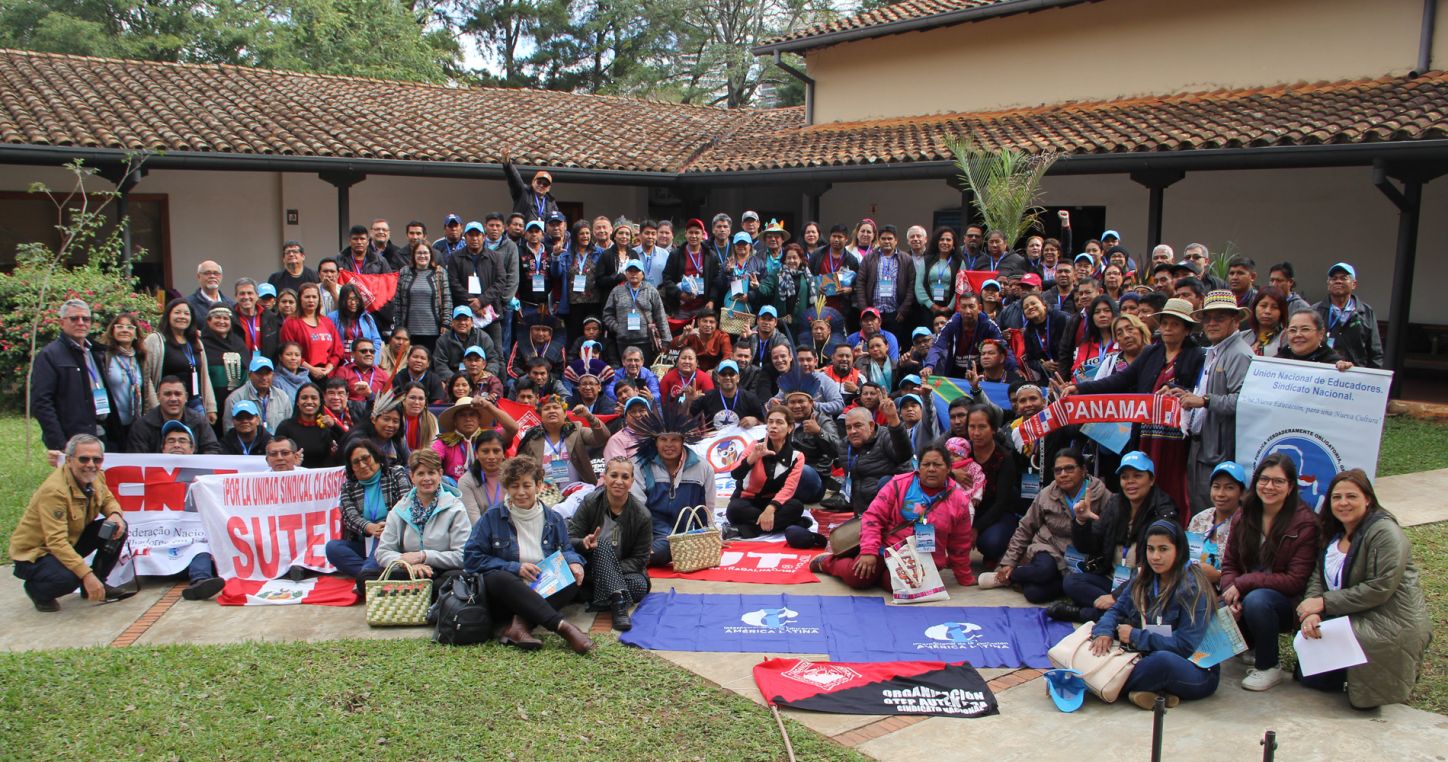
[31, 217]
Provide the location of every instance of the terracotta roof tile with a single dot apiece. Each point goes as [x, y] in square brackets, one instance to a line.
[1390, 108]
[905, 10]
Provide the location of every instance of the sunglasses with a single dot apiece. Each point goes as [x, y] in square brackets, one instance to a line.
[89, 460]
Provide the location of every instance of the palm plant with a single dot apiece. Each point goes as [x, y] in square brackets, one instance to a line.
[1006, 185]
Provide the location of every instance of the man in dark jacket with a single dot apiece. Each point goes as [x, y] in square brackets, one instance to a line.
[1352, 327]
[816, 437]
[958, 343]
[535, 200]
[872, 454]
[478, 273]
[447, 354]
[146, 431]
[381, 234]
[64, 383]
[887, 283]
[260, 329]
[359, 256]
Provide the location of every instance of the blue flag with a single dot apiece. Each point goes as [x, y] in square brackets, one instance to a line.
[984, 636]
[791, 624]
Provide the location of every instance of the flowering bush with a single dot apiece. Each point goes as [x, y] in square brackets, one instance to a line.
[109, 290]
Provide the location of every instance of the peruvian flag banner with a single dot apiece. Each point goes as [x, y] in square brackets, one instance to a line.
[767, 563]
[888, 687]
[1076, 410]
[377, 289]
[319, 591]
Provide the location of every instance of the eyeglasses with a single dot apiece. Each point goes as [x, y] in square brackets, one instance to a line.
[216, 273]
[77, 318]
[1066, 469]
[89, 460]
[362, 460]
[123, 327]
[543, 182]
[1272, 481]
[365, 351]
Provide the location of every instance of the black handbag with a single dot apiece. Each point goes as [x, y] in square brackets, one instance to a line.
[461, 612]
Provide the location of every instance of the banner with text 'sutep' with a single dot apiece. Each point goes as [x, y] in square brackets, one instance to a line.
[891, 687]
[261, 525]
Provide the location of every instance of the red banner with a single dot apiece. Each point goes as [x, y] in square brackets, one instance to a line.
[765, 563]
[971, 281]
[318, 591]
[891, 687]
[376, 289]
[1103, 408]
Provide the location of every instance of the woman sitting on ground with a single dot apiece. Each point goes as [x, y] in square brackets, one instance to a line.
[506, 546]
[1270, 554]
[1365, 571]
[482, 485]
[612, 530]
[367, 494]
[1228, 485]
[384, 430]
[426, 528]
[1112, 540]
[767, 479]
[314, 430]
[1036, 557]
[1176, 601]
[927, 503]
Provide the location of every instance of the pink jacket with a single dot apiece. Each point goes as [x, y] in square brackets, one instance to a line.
[950, 517]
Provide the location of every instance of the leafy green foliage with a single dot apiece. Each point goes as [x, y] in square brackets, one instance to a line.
[382, 699]
[1006, 185]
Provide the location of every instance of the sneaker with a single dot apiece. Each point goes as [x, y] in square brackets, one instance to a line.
[730, 533]
[988, 581]
[1147, 699]
[817, 564]
[836, 503]
[203, 589]
[46, 607]
[1063, 611]
[1262, 679]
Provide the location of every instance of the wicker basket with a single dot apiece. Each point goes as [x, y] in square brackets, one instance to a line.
[698, 545]
[398, 602]
[664, 362]
[735, 322]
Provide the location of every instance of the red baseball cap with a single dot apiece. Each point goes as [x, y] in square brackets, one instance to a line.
[869, 311]
[1031, 279]
[695, 223]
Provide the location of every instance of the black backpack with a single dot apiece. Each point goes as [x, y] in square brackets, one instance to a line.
[461, 612]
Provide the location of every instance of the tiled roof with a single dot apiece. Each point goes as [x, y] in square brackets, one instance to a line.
[1362, 111]
[69, 101]
[63, 100]
[886, 16]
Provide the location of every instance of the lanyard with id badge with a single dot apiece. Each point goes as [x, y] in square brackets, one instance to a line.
[635, 320]
[99, 397]
[556, 461]
[924, 530]
[1163, 630]
[886, 286]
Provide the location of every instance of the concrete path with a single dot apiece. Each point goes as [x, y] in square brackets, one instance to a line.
[1420, 498]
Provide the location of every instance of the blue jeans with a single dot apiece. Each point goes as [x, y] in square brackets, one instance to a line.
[1265, 615]
[1083, 588]
[811, 489]
[349, 556]
[201, 567]
[660, 554]
[47, 578]
[1040, 580]
[993, 540]
[1165, 672]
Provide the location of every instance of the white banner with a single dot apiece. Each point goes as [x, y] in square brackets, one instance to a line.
[722, 452]
[263, 524]
[1326, 420]
[164, 533]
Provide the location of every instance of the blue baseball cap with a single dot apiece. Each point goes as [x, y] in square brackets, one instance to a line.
[171, 426]
[769, 310]
[472, 226]
[1085, 256]
[1111, 234]
[244, 406]
[742, 238]
[989, 283]
[475, 350]
[1233, 469]
[633, 264]
[452, 219]
[1137, 461]
[1066, 689]
[911, 398]
[636, 400]
[1345, 267]
[263, 290]
[259, 364]
[461, 311]
[556, 217]
[729, 365]
[911, 379]
[921, 331]
[533, 224]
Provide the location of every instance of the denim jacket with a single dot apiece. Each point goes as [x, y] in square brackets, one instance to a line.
[1189, 626]
[493, 545]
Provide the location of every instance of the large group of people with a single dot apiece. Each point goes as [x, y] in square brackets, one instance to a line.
[629, 342]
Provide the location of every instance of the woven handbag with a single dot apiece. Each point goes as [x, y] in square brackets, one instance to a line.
[735, 322]
[398, 602]
[699, 545]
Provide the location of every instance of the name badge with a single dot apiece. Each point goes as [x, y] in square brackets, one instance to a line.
[635, 320]
[693, 285]
[102, 402]
[558, 471]
[1030, 486]
[538, 284]
[937, 292]
[1163, 630]
[1120, 576]
[886, 287]
[925, 538]
[195, 383]
[736, 287]
[474, 287]
[580, 283]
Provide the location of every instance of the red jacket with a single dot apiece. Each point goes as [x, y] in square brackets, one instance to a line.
[320, 346]
[1291, 565]
[950, 517]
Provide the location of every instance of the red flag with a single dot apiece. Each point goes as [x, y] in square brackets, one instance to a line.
[971, 281]
[320, 591]
[894, 687]
[584, 421]
[377, 290]
[526, 417]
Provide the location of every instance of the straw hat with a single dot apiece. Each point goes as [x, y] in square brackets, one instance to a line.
[445, 419]
[1221, 299]
[1180, 309]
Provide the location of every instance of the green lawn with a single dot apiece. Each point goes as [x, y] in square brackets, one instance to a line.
[18, 476]
[403, 699]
